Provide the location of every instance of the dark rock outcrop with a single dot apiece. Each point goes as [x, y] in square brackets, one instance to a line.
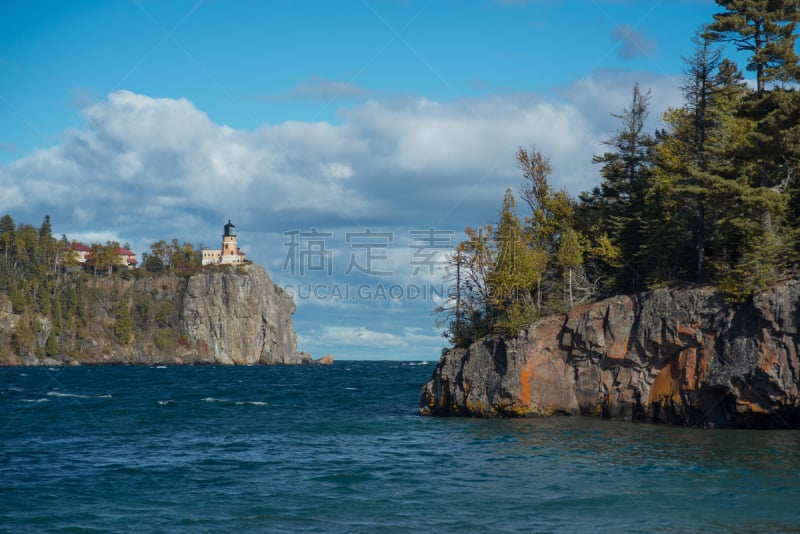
[676, 356]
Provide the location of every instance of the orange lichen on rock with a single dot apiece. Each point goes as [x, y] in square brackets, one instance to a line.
[617, 348]
[667, 384]
[525, 377]
[687, 363]
[745, 406]
[769, 353]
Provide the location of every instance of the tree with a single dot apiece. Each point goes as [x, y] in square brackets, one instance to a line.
[152, 263]
[514, 273]
[123, 324]
[467, 313]
[765, 29]
[103, 257]
[625, 172]
[683, 197]
[7, 228]
[51, 347]
[569, 258]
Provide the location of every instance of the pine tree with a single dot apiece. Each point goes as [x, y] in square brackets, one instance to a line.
[620, 198]
[765, 29]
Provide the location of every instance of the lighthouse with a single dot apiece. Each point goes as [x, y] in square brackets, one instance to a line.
[229, 254]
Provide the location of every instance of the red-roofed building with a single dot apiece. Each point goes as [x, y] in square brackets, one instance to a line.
[83, 253]
[127, 258]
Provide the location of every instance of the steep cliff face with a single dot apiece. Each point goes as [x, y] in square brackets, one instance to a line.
[237, 316]
[223, 315]
[677, 356]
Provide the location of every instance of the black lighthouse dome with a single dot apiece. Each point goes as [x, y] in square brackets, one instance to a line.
[230, 229]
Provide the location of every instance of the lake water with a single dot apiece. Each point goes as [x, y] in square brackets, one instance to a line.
[341, 449]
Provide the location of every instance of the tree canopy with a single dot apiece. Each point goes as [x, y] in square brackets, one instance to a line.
[713, 197]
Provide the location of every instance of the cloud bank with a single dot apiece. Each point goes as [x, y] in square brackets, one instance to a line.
[146, 168]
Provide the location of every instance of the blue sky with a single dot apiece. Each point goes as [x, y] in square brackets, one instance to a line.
[148, 120]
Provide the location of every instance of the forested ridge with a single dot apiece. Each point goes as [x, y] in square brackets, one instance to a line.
[51, 306]
[711, 198]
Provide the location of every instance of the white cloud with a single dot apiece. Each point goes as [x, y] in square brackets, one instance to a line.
[358, 342]
[149, 168]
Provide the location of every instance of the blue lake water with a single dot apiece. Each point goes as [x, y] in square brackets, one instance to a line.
[341, 449]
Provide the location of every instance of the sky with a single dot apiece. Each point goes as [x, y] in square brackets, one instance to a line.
[350, 142]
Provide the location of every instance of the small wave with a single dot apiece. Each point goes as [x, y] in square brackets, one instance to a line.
[212, 399]
[166, 402]
[36, 400]
[253, 403]
[73, 395]
[77, 396]
[161, 366]
[14, 389]
[351, 389]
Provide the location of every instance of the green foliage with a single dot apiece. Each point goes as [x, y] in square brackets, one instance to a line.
[766, 31]
[166, 339]
[17, 299]
[23, 337]
[43, 278]
[515, 270]
[51, 348]
[713, 197]
[164, 313]
[123, 324]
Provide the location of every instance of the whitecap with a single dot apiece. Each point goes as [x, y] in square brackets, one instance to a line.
[351, 389]
[76, 396]
[72, 395]
[35, 400]
[165, 402]
[212, 399]
[254, 403]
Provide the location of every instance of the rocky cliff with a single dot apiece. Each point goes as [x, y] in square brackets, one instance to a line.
[222, 315]
[676, 356]
[237, 316]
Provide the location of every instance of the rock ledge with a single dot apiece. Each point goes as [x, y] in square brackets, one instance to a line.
[675, 356]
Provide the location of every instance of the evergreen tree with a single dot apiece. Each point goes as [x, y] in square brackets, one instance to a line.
[123, 324]
[765, 29]
[620, 198]
[514, 273]
[684, 196]
[51, 348]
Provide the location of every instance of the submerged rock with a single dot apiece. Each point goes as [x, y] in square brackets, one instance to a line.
[676, 356]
